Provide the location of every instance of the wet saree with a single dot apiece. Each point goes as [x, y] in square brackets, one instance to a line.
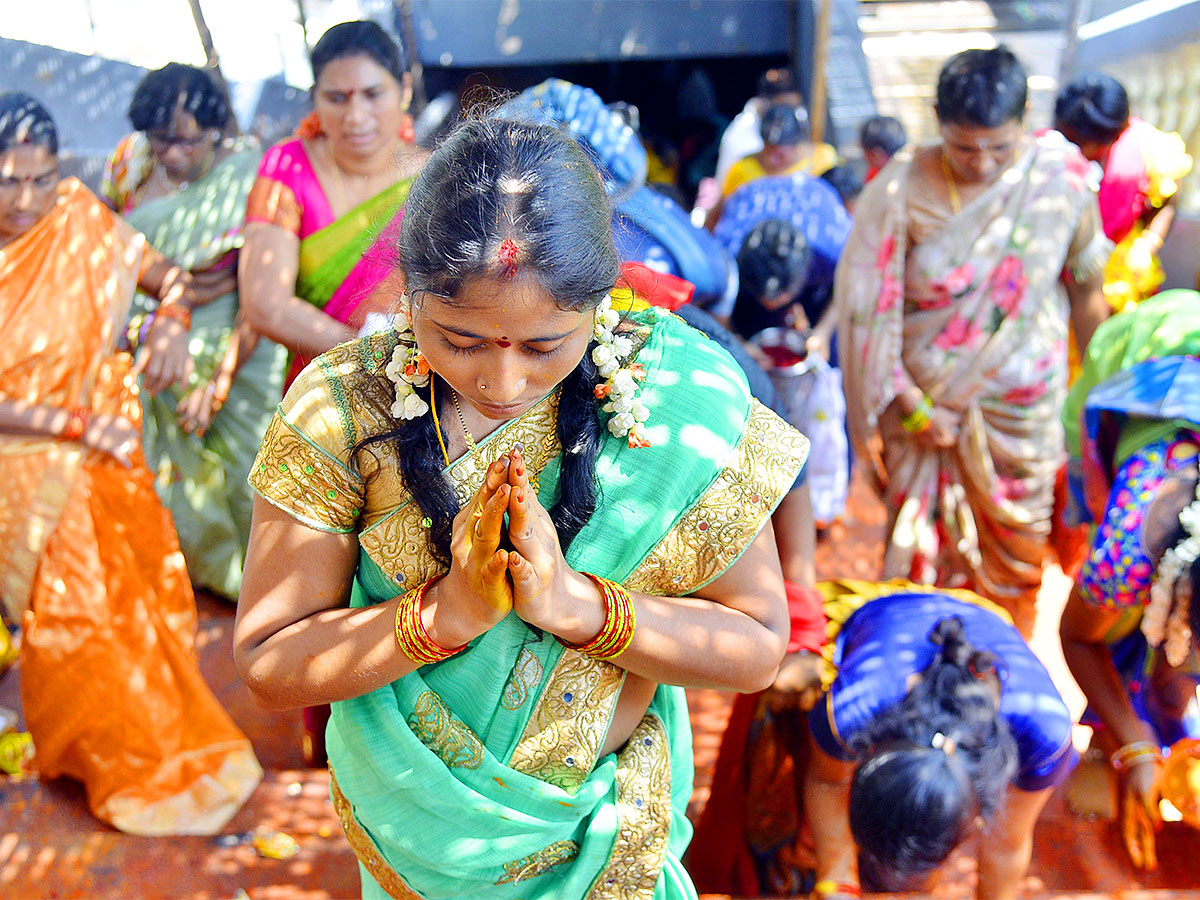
[478, 776]
[89, 562]
[202, 479]
[970, 309]
[341, 261]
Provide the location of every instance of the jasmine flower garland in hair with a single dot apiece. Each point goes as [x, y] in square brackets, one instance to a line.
[408, 369]
[1158, 622]
[619, 386]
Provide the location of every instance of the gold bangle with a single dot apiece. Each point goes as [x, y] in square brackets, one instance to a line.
[218, 397]
[827, 887]
[620, 620]
[1134, 753]
[411, 637]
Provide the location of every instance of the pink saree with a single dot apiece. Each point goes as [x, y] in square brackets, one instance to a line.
[342, 260]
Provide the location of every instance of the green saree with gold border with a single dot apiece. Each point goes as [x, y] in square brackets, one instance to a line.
[480, 776]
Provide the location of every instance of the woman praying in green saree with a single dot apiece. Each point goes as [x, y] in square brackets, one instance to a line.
[501, 536]
[180, 181]
[327, 203]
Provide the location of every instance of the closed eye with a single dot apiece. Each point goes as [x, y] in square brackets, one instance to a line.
[541, 354]
[462, 351]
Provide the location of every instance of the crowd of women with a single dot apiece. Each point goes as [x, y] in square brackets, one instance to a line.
[488, 508]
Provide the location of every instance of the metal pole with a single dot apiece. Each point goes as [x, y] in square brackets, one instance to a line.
[408, 34]
[816, 106]
[212, 63]
[1081, 11]
[302, 18]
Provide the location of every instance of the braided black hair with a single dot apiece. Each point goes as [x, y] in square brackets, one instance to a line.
[931, 763]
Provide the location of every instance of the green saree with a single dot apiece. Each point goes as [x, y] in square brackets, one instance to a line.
[202, 480]
[479, 776]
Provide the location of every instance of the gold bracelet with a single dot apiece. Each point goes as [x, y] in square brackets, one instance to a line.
[616, 634]
[827, 887]
[411, 637]
[1133, 753]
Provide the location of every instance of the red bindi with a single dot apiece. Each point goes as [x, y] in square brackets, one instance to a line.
[503, 342]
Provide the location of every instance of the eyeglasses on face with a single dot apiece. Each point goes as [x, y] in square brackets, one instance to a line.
[163, 142]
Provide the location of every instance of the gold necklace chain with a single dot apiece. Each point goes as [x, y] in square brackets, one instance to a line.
[951, 183]
[337, 179]
[466, 433]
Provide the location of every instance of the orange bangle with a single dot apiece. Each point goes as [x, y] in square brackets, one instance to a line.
[412, 638]
[218, 397]
[177, 311]
[78, 418]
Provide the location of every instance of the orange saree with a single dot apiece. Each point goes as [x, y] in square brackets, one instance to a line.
[89, 560]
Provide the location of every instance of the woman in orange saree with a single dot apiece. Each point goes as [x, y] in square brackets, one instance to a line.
[89, 561]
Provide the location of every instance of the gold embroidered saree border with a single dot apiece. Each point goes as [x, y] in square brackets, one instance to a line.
[301, 480]
[434, 725]
[556, 854]
[569, 722]
[644, 816]
[639, 850]
[710, 536]
[364, 848]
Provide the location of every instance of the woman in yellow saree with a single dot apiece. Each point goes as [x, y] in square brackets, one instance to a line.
[954, 290]
[325, 210]
[89, 561]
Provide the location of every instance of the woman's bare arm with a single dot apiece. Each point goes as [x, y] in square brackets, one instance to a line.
[1007, 844]
[827, 811]
[1082, 630]
[267, 266]
[296, 641]
[1088, 308]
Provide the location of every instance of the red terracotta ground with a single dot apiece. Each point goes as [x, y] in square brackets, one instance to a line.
[51, 847]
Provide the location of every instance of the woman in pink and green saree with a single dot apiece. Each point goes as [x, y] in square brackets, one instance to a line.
[327, 203]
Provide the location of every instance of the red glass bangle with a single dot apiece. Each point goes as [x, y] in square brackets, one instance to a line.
[176, 311]
[412, 638]
[616, 634]
[78, 418]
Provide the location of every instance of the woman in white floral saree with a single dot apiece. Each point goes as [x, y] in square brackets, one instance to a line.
[953, 294]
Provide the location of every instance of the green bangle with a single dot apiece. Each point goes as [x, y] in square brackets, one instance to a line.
[920, 418]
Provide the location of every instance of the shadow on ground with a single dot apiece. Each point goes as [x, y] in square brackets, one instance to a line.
[51, 847]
